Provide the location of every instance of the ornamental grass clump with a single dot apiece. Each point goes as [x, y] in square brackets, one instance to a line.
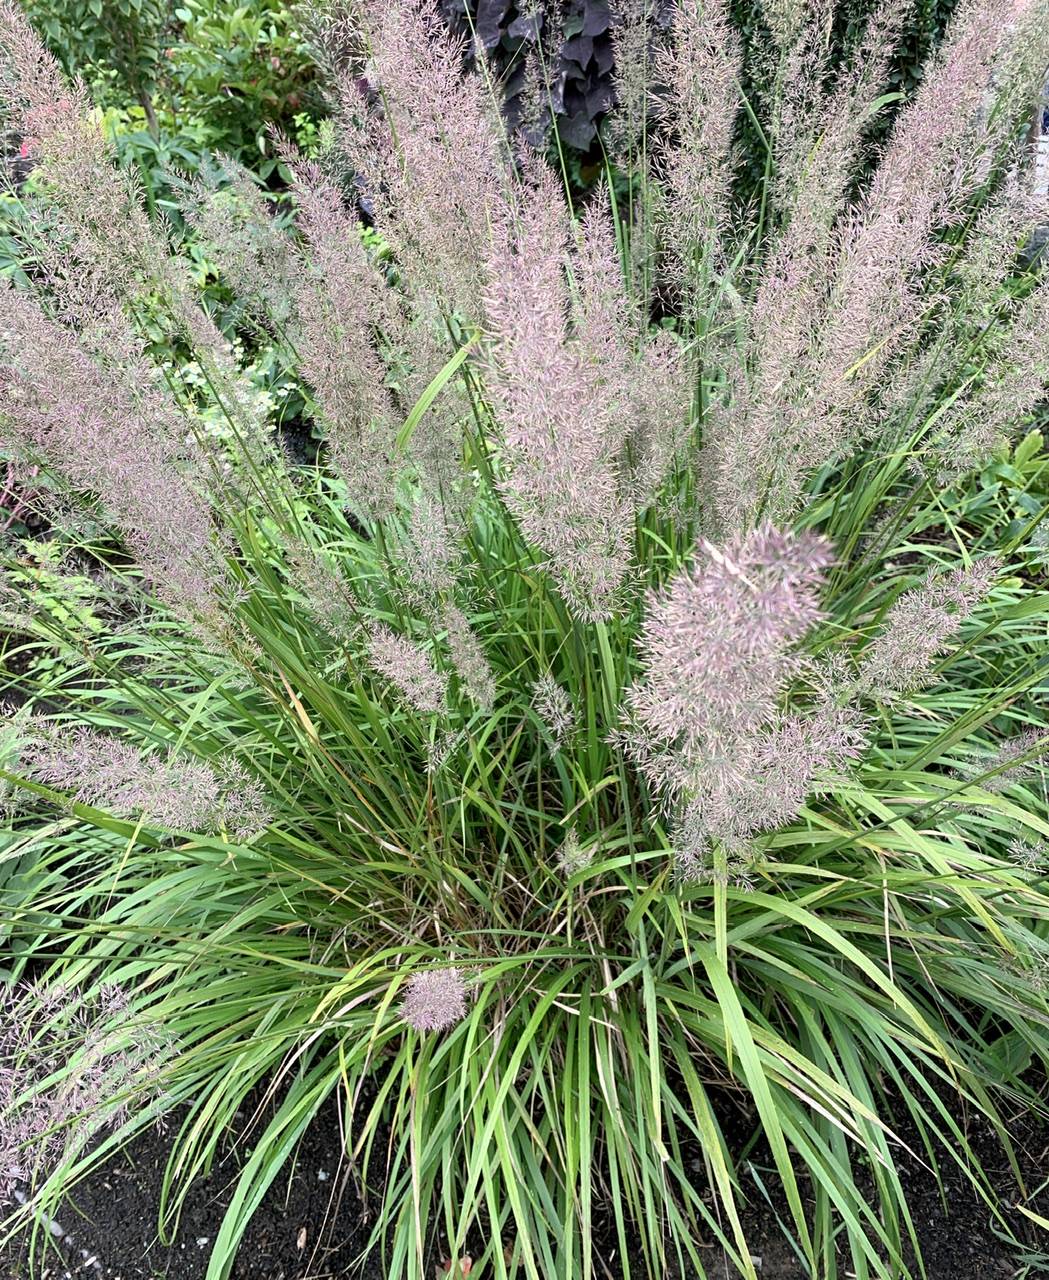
[71, 1065]
[635, 711]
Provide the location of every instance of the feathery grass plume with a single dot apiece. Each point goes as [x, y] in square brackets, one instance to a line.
[819, 116]
[792, 73]
[843, 297]
[109, 773]
[530, 113]
[970, 293]
[765, 439]
[469, 659]
[572, 857]
[368, 357]
[1032, 858]
[633, 51]
[1001, 231]
[73, 287]
[606, 321]
[99, 202]
[433, 561]
[73, 160]
[341, 306]
[553, 706]
[785, 19]
[430, 152]
[1015, 760]
[644, 378]
[661, 419]
[561, 436]
[442, 750]
[79, 301]
[408, 667]
[433, 190]
[746, 466]
[700, 68]
[62, 409]
[428, 145]
[697, 862]
[918, 627]
[435, 1000]
[718, 643]
[433, 558]
[740, 785]
[72, 290]
[719, 648]
[639, 28]
[399, 660]
[71, 1064]
[1002, 396]
[326, 594]
[936, 158]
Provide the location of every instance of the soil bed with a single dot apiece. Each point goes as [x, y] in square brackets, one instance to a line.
[312, 1225]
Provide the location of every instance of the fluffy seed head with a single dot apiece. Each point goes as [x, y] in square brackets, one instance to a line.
[428, 148]
[341, 303]
[435, 999]
[572, 857]
[701, 69]
[84, 422]
[718, 642]
[704, 723]
[111, 774]
[108, 1060]
[917, 629]
[469, 659]
[554, 708]
[561, 434]
[408, 667]
[1032, 858]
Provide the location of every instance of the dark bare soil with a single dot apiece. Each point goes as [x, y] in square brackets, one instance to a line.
[958, 1233]
[312, 1226]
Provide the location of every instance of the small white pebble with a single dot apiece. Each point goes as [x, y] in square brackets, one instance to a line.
[322, 1175]
[202, 1241]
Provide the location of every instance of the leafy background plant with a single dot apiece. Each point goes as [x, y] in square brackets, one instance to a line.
[179, 83]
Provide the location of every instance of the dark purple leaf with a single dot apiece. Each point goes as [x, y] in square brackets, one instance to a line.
[597, 17]
[525, 27]
[604, 57]
[599, 99]
[577, 130]
[491, 14]
[578, 49]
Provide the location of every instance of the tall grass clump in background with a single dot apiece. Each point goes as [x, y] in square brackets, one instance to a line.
[619, 720]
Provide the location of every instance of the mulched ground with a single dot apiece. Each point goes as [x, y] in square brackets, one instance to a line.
[311, 1225]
